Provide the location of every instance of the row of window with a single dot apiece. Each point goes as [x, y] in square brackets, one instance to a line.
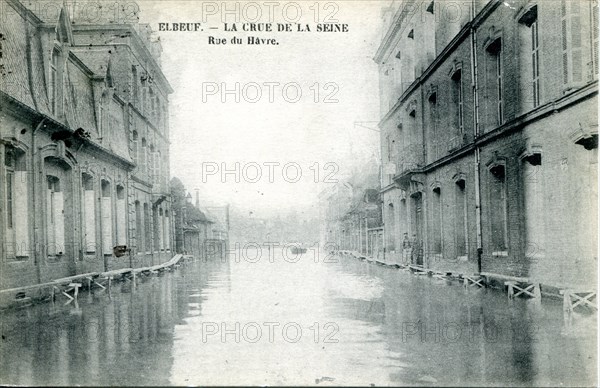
[103, 213]
[436, 226]
[148, 101]
[89, 211]
[497, 205]
[578, 35]
[147, 232]
[149, 160]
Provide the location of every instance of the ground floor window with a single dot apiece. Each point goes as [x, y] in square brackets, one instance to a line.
[55, 217]
[498, 209]
[107, 219]
[460, 225]
[16, 200]
[139, 227]
[89, 213]
[166, 230]
[436, 221]
[147, 229]
[121, 216]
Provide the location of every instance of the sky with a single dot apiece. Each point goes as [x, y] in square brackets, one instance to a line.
[286, 151]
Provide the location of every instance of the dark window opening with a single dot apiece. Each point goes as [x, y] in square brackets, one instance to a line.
[498, 209]
[589, 143]
[430, 7]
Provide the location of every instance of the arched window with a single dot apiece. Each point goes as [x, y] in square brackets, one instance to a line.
[167, 231]
[155, 228]
[432, 116]
[530, 56]
[391, 219]
[17, 209]
[533, 198]
[460, 218]
[53, 83]
[134, 147]
[58, 198]
[436, 220]
[134, 85]
[495, 73]
[55, 228]
[161, 226]
[457, 100]
[498, 209]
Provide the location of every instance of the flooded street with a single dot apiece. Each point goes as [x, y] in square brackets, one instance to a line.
[307, 322]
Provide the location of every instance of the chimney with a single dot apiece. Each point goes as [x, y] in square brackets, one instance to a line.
[198, 198]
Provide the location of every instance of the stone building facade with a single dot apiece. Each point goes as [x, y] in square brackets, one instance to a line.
[350, 214]
[489, 136]
[84, 146]
[198, 232]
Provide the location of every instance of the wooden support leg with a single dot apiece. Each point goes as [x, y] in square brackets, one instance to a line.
[567, 305]
[511, 291]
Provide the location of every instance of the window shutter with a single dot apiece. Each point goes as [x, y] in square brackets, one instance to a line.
[594, 12]
[565, 44]
[106, 225]
[575, 60]
[90, 220]
[122, 221]
[51, 248]
[59, 221]
[565, 52]
[21, 208]
[576, 49]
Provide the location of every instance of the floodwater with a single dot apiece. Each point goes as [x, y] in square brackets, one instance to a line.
[274, 320]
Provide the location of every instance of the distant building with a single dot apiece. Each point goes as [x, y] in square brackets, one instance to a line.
[489, 137]
[84, 145]
[351, 214]
[198, 232]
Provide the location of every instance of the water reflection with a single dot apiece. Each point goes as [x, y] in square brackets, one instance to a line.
[302, 323]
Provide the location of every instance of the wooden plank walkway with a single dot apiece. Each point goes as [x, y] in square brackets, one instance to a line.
[70, 286]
